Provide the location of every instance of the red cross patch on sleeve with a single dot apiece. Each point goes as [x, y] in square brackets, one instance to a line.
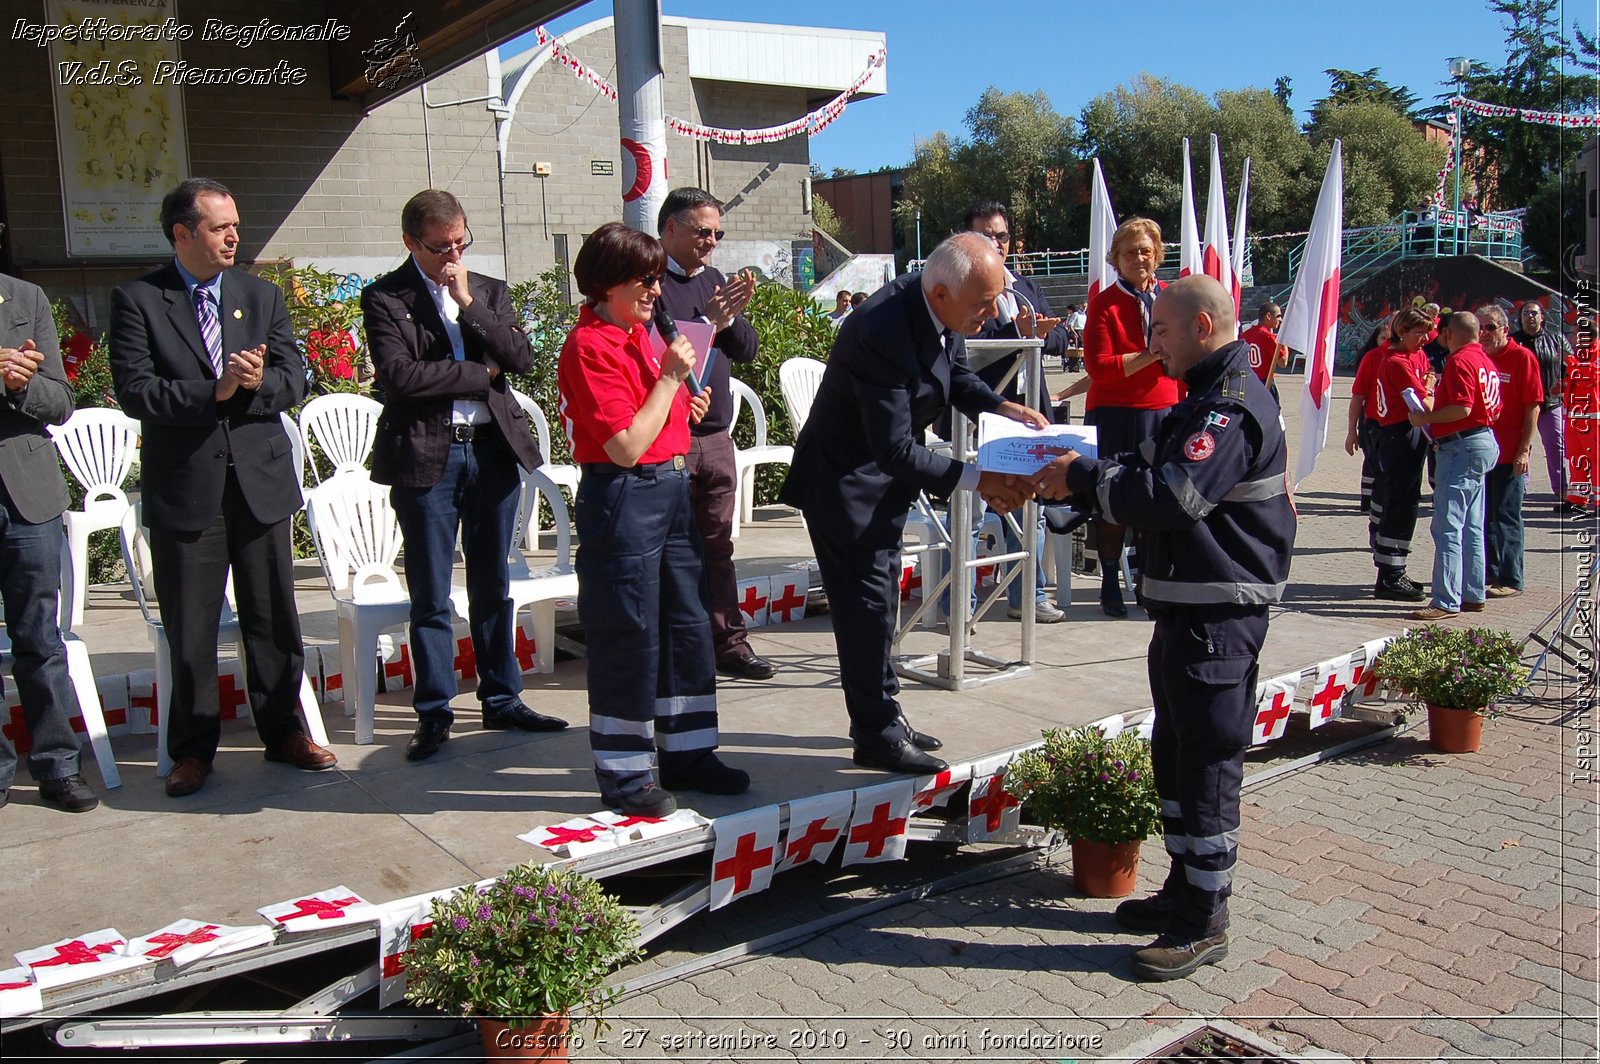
[1199, 447]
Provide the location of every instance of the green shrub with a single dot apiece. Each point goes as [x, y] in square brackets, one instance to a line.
[1088, 786]
[1457, 668]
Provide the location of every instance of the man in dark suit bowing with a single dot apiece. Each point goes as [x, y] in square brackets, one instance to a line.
[449, 442]
[203, 356]
[899, 361]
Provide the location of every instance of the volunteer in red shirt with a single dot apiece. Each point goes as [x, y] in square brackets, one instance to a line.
[1128, 392]
[1363, 428]
[652, 676]
[1521, 393]
[1267, 356]
[1459, 420]
[1402, 453]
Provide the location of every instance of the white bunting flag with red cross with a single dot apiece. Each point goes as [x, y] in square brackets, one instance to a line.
[401, 923]
[1363, 677]
[878, 824]
[1328, 689]
[114, 706]
[576, 838]
[1274, 702]
[465, 663]
[788, 601]
[910, 578]
[397, 674]
[186, 941]
[232, 697]
[73, 960]
[638, 828]
[745, 853]
[19, 994]
[938, 789]
[751, 598]
[326, 908]
[993, 813]
[142, 713]
[816, 826]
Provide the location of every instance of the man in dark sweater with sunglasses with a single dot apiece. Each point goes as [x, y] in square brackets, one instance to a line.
[690, 224]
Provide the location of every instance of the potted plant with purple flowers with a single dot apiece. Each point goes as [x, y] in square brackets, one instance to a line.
[1100, 792]
[1460, 674]
[521, 955]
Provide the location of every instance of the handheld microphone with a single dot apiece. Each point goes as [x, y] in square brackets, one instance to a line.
[667, 326]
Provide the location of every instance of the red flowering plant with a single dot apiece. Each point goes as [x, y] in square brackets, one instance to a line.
[1088, 786]
[86, 360]
[325, 313]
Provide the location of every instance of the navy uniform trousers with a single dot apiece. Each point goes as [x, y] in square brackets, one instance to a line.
[1393, 520]
[1202, 664]
[642, 601]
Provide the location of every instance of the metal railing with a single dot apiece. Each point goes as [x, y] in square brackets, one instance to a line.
[1428, 234]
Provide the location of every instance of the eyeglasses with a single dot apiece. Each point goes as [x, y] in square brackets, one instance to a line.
[701, 231]
[999, 238]
[459, 246]
[1488, 326]
[650, 280]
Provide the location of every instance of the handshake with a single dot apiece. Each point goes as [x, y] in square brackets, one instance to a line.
[1005, 492]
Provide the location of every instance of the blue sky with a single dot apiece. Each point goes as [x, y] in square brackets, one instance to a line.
[944, 53]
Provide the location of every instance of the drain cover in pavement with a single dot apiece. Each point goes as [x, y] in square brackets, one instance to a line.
[1235, 1045]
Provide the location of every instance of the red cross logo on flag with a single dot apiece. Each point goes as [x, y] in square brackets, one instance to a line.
[1333, 680]
[397, 673]
[742, 867]
[878, 824]
[817, 833]
[8, 983]
[394, 964]
[1365, 676]
[745, 849]
[319, 908]
[527, 650]
[938, 789]
[325, 907]
[77, 952]
[910, 578]
[167, 944]
[466, 662]
[17, 730]
[82, 957]
[1273, 706]
[753, 595]
[992, 811]
[816, 824]
[577, 837]
[788, 602]
[231, 697]
[186, 941]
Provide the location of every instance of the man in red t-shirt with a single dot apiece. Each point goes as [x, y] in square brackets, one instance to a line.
[1403, 383]
[1459, 419]
[1521, 393]
[1267, 356]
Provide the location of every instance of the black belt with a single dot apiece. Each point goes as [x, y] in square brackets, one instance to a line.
[645, 469]
[468, 433]
[1463, 433]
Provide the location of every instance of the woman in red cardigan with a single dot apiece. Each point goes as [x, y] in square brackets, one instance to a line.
[1129, 393]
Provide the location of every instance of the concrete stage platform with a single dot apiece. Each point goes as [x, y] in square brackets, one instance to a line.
[261, 833]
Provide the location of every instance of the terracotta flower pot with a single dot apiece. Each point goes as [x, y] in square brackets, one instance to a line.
[1105, 869]
[1454, 731]
[545, 1039]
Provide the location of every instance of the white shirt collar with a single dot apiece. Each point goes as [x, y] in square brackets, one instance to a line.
[672, 264]
[938, 326]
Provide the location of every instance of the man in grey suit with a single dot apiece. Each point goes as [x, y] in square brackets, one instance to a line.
[32, 496]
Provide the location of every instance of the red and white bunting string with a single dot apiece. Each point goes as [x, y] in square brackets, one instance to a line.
[1449, 159]
[1543, 118]
[810, 124]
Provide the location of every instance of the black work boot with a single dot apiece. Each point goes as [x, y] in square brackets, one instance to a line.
[1176, 954]
[1148, 914]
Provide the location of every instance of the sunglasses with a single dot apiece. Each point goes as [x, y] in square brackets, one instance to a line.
[1488, 326]
[650, 280]
[459, 245]
[702, 232]
[1000, 238]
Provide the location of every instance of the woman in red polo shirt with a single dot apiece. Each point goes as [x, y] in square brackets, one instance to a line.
[652, 675]
[1129, 393]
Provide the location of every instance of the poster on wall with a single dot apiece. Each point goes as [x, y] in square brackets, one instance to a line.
[120, 129]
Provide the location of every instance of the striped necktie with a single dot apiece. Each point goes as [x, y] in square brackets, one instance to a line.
[210, 327]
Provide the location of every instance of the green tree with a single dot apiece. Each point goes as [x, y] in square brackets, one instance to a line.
[1136, 130]
[1389, 166]
[1350, 86]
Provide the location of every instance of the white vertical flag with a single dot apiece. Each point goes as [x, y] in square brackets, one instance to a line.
[1311, 319]
[1189, 260]
[1238, 234]
[1215, 254]
[1102, 225]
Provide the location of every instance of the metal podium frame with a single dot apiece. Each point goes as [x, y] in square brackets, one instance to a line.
[947, 668]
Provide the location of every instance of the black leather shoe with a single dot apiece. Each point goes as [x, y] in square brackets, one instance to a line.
[746, 664]
[519, 716]
[898, 757]
[710, 775]
[923, 741]
[71, 793]
[426, 740]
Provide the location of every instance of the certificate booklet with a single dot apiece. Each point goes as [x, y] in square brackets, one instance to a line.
[700, 334]
[1006, 446]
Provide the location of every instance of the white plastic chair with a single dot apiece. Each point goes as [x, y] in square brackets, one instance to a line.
[344, 426]
[100, 447]
[141, 573]
[747, 458]
[798, 381]
[80, 671]
[297, 448]
[541, 587]
[564, 475]
[357, 536]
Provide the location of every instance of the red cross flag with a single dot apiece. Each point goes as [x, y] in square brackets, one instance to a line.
[1328, 690]
[1238, 233]
[400, 924]
[1311, 317]
[1189, 258]
[816, 824]
[74, 960]
[752, 600]
[465, 665]
[232, 696]
[397, 674]
[326, 908]
[114, 705]
[186, 941]
[1102, 225]
[746, 851]
[1214, 251]
[878, 824]
[636, 828]
[1364, 678]
[576, 838]
[527, 649]
[142, 701]
[788, 601]
[1274, 702]
[19, 994]
[938, 789]
[992, 813]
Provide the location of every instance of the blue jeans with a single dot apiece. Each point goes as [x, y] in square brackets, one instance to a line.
[30, 582]
[478, 493]
[1458, 556]
[1014, 592]
[1502, 525]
